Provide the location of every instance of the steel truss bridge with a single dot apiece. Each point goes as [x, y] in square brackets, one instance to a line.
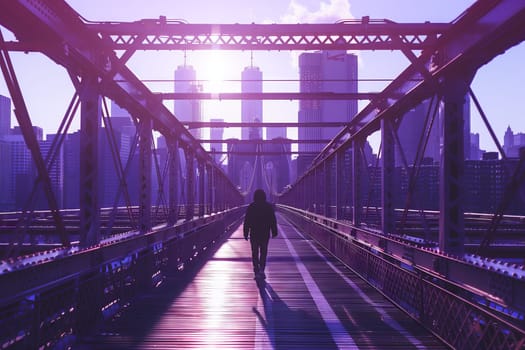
[94, 262]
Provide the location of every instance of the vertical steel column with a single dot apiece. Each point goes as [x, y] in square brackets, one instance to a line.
[356, 183]
[218, 193]
[316, 188]
[312, 192]
[451, 221]
[90, 117]
[145, 126]
[339, 189]
[327, 188]
[174, 181]
[305, 193]
[190, 184]
[387, 177]
[201, 166]
[211, 189]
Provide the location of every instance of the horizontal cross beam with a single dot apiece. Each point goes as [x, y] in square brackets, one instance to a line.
[264, 153]
[197, 125]
[272, 141]
[364, 34]
[267, 96]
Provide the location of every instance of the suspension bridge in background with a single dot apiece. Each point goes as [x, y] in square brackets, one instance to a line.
[351, 267]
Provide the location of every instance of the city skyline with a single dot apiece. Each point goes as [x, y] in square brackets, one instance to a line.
[47, 104]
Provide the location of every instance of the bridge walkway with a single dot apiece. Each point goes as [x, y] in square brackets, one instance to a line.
[310, 300]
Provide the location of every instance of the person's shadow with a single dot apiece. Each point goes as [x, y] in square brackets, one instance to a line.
[286, 328]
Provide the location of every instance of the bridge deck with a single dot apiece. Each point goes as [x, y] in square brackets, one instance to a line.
[309, 301]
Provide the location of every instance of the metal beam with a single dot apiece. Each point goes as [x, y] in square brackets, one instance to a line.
[483, 32]
[286, 96]
[24, 120]
[145, 163]
[365, 34]
[90, 117]
[262, 142]
[195, 125]
[174, 181]
[69, 41]
[263, 153]
[387, 177]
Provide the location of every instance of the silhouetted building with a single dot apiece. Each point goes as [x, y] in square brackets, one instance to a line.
[5, 154]
[72, 171]
[55, 172]
[5, 176]
[326, 71]
[187, 110]
[475, 152]
[124, 140]
[411, 133]
[251, 110]
[5, 115]
[22, 169]
[275, 133]
[512, 143]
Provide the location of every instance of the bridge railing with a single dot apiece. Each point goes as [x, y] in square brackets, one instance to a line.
[47, 304]
[467, 305]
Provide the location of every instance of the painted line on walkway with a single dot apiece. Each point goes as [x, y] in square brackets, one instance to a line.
[388, 319]
[342, 339]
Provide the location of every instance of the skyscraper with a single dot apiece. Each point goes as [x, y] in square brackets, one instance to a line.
[274, 133]
[512, 142]
[5, 115]
[23, 171]
[5, 153]
[56, 174]
[326, 71]
[410, 131]
[187, 110]
[251, 110]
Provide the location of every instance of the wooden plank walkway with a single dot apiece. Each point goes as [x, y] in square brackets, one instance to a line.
[309, 301]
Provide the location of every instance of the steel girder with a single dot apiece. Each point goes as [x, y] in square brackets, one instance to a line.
[286, 96]
[173, 181]
[145, 162]
[201, 188]
[196, 125]
[90, 118]
[387, 177]
[485, 30]
[24, 120]
[65, 38]
[357, 181]
[365, 34]
[190, 183]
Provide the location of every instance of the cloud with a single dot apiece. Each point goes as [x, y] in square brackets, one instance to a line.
[328, 12]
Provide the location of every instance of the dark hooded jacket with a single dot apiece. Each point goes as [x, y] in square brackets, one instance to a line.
[260, 217]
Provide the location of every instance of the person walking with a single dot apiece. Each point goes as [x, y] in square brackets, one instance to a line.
[258, 222]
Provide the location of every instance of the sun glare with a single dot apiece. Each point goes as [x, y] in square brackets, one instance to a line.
[214, 69]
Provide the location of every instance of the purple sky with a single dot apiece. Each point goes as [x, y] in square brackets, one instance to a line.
[47, 89]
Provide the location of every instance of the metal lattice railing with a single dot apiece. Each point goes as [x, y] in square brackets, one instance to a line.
[445, 308]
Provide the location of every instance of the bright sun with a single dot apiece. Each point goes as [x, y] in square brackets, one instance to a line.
[213, 72]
